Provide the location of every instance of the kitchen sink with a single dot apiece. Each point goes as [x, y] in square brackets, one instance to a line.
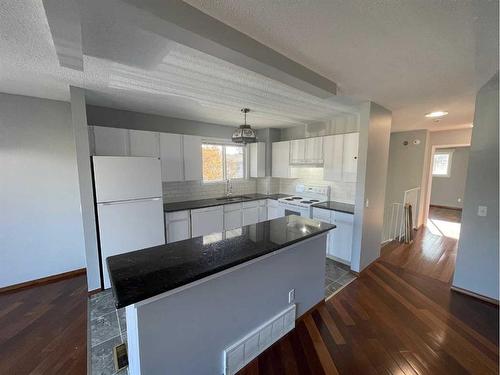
[234, 198]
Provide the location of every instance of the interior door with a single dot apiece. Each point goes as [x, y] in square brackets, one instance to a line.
[128, 226]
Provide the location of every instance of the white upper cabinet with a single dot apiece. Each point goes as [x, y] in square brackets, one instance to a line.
[306, 151]
[257, 154]
[314, 150]
[111, 141]
[172, 158]
[298, 151]
[144, 143]
[192, 158]
[333, 151]
[281, 159]
[350, 157]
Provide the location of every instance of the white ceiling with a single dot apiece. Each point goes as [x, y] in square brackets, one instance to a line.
[413, 57]
[141, 71]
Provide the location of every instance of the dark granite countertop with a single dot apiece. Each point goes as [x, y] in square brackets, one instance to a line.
[142, 274]
[336, 206]
[210, 202]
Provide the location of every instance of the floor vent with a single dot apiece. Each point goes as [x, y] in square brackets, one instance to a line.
[245, 350]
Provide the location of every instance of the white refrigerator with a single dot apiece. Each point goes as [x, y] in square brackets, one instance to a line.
[129, 202]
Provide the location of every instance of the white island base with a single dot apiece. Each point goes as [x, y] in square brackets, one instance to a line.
[186, 330]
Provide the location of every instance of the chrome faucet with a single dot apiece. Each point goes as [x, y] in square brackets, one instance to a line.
[229, 188]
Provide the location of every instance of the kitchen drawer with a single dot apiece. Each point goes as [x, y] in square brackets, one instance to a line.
[321, 214]
[262, 203]
[177, 215]
[232, 207]
[250, 204]
[207, 209]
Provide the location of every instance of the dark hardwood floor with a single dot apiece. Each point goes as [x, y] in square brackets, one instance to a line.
[398, 317]
[434, 250]
[43, 329]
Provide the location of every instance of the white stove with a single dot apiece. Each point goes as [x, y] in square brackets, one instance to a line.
[305, 197]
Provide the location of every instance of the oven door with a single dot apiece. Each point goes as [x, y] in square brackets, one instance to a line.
[294, 210]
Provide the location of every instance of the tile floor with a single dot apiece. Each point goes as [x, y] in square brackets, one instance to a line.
[107, 329]
[337, 276]
[108, 326]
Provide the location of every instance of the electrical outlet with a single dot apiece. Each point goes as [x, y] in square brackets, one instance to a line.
[367, 203]
[482, 211]
[291, 296]
[459, 200]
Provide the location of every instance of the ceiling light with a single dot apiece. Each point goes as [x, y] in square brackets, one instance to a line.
[244, 134]
[436, 114]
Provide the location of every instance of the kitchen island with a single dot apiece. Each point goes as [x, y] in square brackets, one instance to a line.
[188, 301]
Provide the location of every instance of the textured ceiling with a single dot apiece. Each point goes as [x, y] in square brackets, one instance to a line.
[410, 56]
[129, 68]
[413, 57]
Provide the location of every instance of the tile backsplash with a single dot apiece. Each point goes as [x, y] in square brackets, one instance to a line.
[339, 191]
[192, 190]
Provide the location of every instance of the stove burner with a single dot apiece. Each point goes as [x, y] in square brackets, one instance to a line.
[296, 198]
[314, 200]
[307, 202]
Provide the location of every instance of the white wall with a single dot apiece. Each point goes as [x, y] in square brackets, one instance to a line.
[375, 127]
[41, 228]
[405, 170]
[476, 268]
[449, 190]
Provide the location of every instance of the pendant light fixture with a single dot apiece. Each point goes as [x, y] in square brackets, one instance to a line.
[244, 134]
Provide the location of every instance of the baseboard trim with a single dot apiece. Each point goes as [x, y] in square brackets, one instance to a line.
[43, 280]
[447, 207]
[475, 295]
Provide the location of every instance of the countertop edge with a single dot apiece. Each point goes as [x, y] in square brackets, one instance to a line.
[217, 203]
[212, 273]
[318, 205]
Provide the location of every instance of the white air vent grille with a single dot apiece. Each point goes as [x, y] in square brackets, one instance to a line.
[245, 350]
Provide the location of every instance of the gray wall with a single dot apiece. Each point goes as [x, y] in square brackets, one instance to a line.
[405, 169]
[220, 311]
[341, 124]
[41, 225]
[117, 118]
[81, 136]
[477, 259]
[374, 134]
[449, 191]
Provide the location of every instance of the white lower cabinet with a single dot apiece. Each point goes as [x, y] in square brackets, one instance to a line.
[177, 226]
[262, 210]
[207, 220]
[341, 237]
[274, 210]
[232, 216]
[339, 244]
[250, 213]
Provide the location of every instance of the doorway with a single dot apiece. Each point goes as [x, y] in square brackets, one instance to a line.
[448, 176]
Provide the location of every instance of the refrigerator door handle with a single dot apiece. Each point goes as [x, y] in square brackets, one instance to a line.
[128, 201]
